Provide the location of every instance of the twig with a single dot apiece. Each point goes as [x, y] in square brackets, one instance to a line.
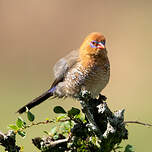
[44, 122]
[49, 144]
[54, 143]
[138, 122]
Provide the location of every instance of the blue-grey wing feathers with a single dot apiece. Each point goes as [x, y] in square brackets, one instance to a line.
[62, 66]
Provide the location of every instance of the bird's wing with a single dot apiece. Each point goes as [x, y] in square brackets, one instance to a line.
[62, 66]
[65, 63]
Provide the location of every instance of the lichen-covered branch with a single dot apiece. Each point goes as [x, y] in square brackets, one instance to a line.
[102, 124]
[47, 144]
[8, 141]
[109, 126]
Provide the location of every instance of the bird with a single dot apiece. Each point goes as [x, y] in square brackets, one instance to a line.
[84, 69]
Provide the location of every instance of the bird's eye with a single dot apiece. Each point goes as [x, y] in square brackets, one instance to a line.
[93, 44]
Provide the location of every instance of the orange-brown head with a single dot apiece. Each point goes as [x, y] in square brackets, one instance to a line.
[93, 47]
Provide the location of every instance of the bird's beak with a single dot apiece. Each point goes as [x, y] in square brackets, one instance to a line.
[100, 46]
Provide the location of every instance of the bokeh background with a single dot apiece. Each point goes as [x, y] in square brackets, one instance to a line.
[34, 34]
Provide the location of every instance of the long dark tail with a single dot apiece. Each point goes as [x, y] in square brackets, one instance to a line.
[36, 101]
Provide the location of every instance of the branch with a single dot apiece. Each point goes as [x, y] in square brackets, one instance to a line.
[108, 126]
[48, 143]
[101, 123]
[9, 141]
[138, 122]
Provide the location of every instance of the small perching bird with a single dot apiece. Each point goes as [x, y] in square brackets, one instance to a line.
[85, 69]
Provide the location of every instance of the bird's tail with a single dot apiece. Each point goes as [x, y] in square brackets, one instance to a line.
[36, 101]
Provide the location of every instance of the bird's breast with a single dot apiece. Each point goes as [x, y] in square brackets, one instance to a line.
[78, 78]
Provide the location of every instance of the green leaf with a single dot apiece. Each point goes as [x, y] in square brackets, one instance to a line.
[55, 137]
[21, 133]
[67, 125]
[63, 116]
[24, 124]
[22, 148]
[59, 109]
[129, 148]
[30, 116]
[80, 117]
[20, 122]
[46, 132]
[73, 112]
[14, 127]
[53, 130]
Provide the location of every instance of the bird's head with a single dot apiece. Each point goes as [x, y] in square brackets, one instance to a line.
[94, 44]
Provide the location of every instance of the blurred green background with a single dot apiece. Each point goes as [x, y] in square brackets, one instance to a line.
[34, 34]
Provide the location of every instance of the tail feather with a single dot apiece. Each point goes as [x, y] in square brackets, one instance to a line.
[36, 101]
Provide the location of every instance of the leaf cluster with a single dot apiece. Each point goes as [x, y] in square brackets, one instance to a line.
[70, 125]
